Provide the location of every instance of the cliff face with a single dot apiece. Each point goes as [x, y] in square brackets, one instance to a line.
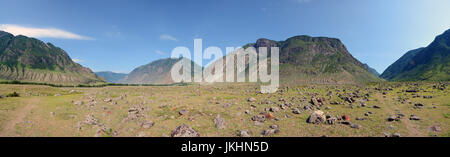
[29, 59]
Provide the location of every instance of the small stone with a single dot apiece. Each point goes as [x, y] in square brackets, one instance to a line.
[147, 125]
[396, 135]
[355, 126]
[331, 120]
[391, 118]
[183, 112]
[220, 122]
[414, 117]
[360, 118]
[251, 99]
[184, 131]
[78, 103]
[296, 111]
[436, 128]
[274, 109]
[259, 118]
[346, 117]
[244, 133]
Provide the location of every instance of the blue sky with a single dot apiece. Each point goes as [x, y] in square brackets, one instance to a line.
[122, 35]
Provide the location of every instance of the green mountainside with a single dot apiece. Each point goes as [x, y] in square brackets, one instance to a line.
[29, 59]
[111, 77]
[431, 63]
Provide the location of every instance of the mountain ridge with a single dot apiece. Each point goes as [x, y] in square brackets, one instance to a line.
[29, 59]
[431, 63]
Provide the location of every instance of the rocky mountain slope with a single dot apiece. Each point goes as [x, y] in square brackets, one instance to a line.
[322, 60]
[372, 70]
[110, 76]
[431, 63]
[29, 59]
[156, 72]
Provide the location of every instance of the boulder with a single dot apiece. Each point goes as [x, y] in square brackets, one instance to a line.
[317, 117]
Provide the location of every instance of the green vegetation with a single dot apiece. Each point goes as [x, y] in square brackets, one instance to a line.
[13, 94]
[431, 63]
[29, 59]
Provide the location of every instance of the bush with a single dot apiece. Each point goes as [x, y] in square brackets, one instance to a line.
[14, 94]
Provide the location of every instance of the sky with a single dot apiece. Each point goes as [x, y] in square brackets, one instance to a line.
[120, 35]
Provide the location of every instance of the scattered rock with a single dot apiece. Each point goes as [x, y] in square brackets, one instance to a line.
[396, 135]
[332, 120]
[274, 109]
[414, 117]
[220, 122]
[345, 122]
[418, 105]
[107, 100]
[251, 99]
[90, 120]
[184, 131]
[355, 126]
[436, 128]
[78, 103]
[259, 118]
[147, 125]
[244, 133]
[360, 118]
[392, 118]
[183, 112]
[346, 117]
[296, 111]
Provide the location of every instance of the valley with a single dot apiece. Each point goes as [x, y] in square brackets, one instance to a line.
[227, 110]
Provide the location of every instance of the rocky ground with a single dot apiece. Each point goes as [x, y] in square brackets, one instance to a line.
[387, 109]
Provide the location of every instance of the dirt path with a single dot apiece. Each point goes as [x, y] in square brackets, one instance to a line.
[412, 130]
[17, 117]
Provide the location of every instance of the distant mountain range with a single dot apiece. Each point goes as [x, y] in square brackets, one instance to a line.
[303, 60]
[110, 76]
[372, 70]
[431, 63]
[29, 59]
[156, 72]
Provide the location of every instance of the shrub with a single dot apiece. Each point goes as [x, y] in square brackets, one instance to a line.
[14, 94]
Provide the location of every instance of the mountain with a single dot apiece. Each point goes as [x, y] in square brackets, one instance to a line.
[156, 72]
[29, 59]
[431, 63]
[304, 59]
[111, 77]
[397, 67]
[372, 70]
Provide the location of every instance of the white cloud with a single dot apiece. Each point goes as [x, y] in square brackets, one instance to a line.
[160, 52]
[77, 60]
[41, 32]
[167, 37]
